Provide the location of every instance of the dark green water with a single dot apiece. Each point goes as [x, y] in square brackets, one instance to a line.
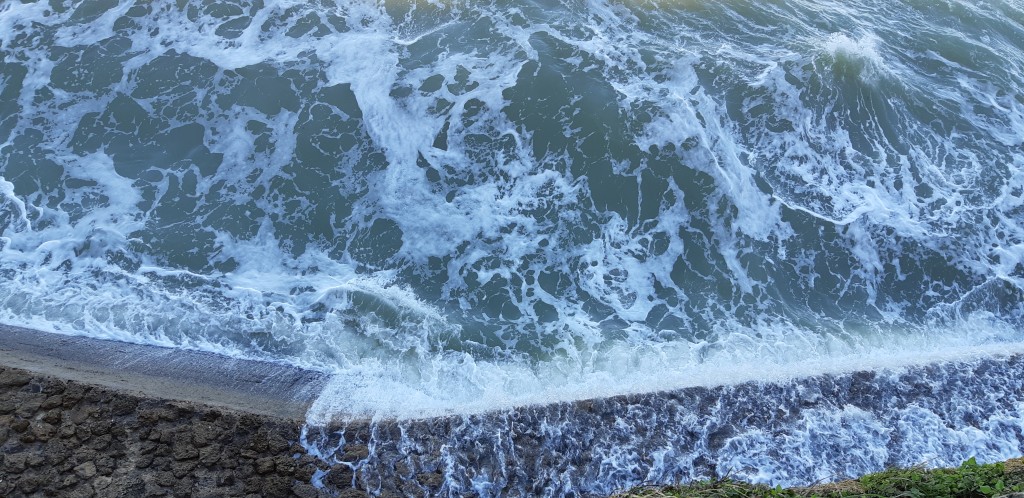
[463, 206]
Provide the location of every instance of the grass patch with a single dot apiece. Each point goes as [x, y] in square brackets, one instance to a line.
[969, 480]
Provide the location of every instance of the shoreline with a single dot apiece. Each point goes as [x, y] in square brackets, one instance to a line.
[85, 417]
[91, 417]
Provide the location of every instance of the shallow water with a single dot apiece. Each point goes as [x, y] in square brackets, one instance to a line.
[460, 207]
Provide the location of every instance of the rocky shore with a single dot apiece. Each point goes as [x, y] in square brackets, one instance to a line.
[66, 438]
[84, 417]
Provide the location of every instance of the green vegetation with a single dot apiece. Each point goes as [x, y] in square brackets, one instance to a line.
[969, 480]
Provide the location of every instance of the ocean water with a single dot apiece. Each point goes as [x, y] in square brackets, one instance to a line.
[462, 207]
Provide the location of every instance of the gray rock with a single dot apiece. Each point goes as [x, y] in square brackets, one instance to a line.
[86, 470]
[14, 378]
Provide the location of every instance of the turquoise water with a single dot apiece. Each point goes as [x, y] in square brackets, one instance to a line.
[462, 206]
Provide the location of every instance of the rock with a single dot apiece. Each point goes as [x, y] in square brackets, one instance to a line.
[30, 484]
[209, 455]
[14, 378]
[56, 452]
[183, 450]
[430, 479]
[123, 405]
[352, 493]
[355, 452]
[52, 402]
[82, 433]
[285, 465]
[153, 489]
[276, 486]
[303, 490]
[184, 486]
[101, 442]
[105, 465]
[144, 461]
[86, 470]
[182, 469]
[29, 407]
[53, 417]
[73, 393]
[265, 465]
[101, 427]
[165, 479]
[305, 468]
[7, 406]
[205, 433]
[277, 444]
[68, 481]
[340, 476]
[66, 431]
[43, 431]
[15, 462]
[101, 483]
[35, 460]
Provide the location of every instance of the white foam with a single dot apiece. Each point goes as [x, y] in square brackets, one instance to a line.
[460, 384]
[397, 352]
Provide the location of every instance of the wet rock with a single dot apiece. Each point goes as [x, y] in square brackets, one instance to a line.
[86, 470]
[105, 465]
[183, 487]
[29, 407]
[82, 433]
[354, 453]
[101, 442]
[68, 481]
[183, 450]
[44, 431]
[285, 465]
[210, 455]
[14, 378]
[265, 465]
[352, 493]
[277, 486]
[56, 452]
[53, 417]
[182, 469]
[154, 489]
[123, 405]
[66, 431]
[15, 462]
[205, 433]
[165, 479]
[430, 479]
[30, 484]
[303, 490]
[340, 476]
[101, 483]
[305, 468]
[52, 402]
[100, 427]
[144, 461]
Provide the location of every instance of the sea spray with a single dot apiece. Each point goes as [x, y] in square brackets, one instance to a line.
[792, 433]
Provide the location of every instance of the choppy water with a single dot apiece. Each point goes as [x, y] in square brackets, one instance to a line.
[458, 207]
